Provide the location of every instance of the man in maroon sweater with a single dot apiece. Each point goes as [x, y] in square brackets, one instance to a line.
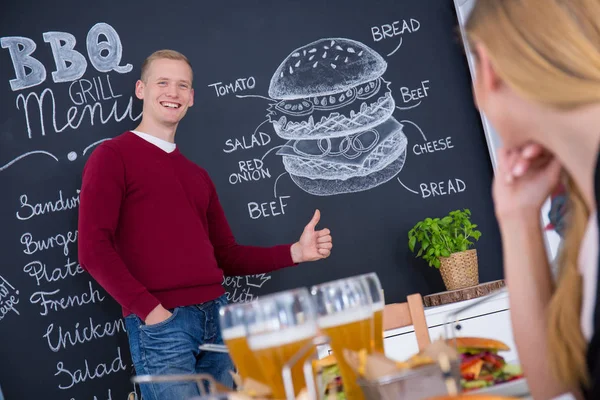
[153, 233]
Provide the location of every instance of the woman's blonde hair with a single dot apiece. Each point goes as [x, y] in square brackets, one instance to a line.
[549, 52]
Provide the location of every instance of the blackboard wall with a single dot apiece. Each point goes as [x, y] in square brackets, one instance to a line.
[61, 335]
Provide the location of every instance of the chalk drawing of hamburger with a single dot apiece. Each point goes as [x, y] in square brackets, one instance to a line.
[335, 109]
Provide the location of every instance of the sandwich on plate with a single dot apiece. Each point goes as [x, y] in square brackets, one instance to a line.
[481, 365]
[329, 378]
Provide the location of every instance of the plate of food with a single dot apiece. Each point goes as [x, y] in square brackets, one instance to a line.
[484, 370]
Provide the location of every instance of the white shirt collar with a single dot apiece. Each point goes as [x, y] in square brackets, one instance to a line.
[163, 144]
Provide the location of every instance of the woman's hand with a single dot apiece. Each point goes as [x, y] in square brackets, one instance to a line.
[525, 178]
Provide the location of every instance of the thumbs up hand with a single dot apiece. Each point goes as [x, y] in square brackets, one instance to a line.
[313, 245]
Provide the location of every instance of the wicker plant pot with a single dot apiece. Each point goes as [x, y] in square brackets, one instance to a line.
[460, 270]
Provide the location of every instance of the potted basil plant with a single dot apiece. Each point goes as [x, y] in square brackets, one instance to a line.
[445, 243]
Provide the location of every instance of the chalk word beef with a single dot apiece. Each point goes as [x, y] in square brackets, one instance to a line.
[267, 209]
[411, 95]
[238, 86]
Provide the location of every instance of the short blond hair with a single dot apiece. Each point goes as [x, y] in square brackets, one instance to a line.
[162, 54]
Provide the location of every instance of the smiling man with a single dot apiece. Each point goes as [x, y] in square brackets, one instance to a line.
[153, 233]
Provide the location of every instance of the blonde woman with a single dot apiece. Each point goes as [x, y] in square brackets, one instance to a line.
[538, 81]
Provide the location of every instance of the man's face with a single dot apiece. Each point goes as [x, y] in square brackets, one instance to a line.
[167, 91]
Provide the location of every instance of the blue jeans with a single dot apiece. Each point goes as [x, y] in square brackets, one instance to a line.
[171, 347]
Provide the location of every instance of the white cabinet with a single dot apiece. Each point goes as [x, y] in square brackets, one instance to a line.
[490, 319]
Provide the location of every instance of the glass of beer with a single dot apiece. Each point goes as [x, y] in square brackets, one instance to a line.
[345, 314]
[279, 325]
[373, 286]
[233, 331]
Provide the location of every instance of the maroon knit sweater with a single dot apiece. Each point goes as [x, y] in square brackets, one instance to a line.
[152, 230]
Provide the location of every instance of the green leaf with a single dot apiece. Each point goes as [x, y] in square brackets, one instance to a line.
[420, 252]
[436, 263]
[447, 220]
[431, 251]
[412, 243]
[425, 244]
[445, 253]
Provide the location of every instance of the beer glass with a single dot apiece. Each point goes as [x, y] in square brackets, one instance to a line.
[373, 286]
[344, 314]
[233, 331]
[279, 325]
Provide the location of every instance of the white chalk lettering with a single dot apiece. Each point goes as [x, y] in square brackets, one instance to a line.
[237, 86]
[394, 29]
[433, 189]
[89, 372]
[8, 298]
[240, 295]
[59, 338]
[39, 271]
[239, 288]
[75, 116]
[433, 146]
[105, 56]
[233, 281]
[58, 240]
[262, 139]
[109, 396]
[30, 210]
[409, 95]
[80, 91]
[251, 170]
[268, 209]
[48, 304]
[21, 49]
[63, 45]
